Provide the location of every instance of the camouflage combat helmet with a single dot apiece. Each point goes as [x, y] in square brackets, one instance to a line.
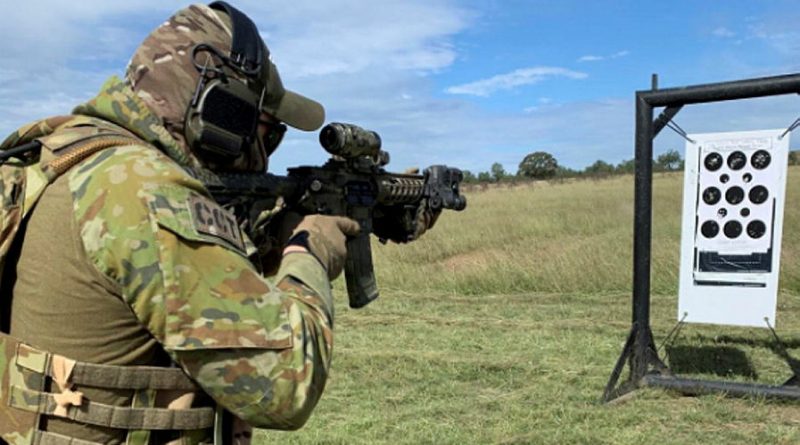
[164, 73]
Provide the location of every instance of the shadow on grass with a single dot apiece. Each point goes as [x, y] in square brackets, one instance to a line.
[780, 348]
[725, 361]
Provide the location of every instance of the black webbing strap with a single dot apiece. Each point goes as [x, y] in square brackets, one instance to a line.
[247, 48]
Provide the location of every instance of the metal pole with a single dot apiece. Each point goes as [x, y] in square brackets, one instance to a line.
[643, 196]
[717, 92]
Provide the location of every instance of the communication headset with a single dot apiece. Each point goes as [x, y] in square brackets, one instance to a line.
[222, 119]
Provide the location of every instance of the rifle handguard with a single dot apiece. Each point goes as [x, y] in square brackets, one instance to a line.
[359, 273]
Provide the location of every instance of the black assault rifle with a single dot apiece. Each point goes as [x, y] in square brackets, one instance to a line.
[352, 183]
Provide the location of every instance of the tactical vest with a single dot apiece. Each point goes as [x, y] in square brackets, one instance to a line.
[34, 383]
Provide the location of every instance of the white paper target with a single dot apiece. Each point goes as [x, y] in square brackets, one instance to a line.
[733, 199]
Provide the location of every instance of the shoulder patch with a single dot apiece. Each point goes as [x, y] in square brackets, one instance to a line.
[192, 216]
[211, 219]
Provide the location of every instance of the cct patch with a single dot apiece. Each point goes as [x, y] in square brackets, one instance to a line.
[211, 219]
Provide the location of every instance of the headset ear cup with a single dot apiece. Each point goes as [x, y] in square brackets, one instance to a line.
[221, 125]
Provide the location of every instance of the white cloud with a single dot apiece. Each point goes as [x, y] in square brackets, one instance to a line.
[723, 32]
[783, 38]
[313, 38]
[596, 58]
[368, 62]
[512, 80]
[313, 43]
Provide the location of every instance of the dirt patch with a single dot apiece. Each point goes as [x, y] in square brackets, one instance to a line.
[476, 260]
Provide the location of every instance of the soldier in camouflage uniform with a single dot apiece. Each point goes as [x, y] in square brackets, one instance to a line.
[125, 277]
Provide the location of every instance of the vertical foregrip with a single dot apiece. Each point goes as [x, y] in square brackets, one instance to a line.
[358, 271]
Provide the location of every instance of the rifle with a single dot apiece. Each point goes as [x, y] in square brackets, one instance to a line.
[352, 183]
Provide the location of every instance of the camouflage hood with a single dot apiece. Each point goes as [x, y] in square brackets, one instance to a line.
[163, 74]
[118, 104]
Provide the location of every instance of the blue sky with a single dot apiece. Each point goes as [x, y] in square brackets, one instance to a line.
[466, 83]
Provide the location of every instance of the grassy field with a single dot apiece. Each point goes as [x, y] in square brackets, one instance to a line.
[502, 325]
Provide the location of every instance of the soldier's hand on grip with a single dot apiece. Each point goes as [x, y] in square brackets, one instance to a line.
[325, 237]
[404, 224]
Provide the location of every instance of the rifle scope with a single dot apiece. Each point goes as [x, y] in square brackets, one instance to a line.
[349, 141]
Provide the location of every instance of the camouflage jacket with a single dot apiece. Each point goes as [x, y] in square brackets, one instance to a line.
[180, 263]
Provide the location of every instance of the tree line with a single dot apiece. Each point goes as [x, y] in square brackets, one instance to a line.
[543, 165]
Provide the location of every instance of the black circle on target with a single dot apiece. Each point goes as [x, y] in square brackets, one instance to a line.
[709, 229]
[737, 160]
[713, 162]
[758, 194]
[761, 159]
[756, 229]
[733, 229]
[734, 195]
[711, 195]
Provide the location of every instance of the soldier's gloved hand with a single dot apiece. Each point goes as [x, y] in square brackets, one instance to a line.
[324, 237]
[404, 223]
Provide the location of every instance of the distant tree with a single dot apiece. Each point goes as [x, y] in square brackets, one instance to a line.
[669, 162]
[538, 165]
[469, 177]
[626, 167]
[599, 168]
[484, 177]
[565, 172]
[794, 157]
[498, 172]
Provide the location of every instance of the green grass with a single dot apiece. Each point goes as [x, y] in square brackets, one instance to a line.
[502, 326]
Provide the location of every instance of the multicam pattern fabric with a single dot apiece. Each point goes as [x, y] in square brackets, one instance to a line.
[261, 351]
[163, 74]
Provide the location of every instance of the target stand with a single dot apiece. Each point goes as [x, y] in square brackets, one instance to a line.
[639, 354]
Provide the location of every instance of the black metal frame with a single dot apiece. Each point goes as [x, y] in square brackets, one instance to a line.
[646, 368]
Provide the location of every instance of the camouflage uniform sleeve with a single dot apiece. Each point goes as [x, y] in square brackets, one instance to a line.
[261, 351]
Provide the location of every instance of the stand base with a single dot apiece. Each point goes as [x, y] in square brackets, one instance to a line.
[647, 370]
[641, 356]
[693, 387]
